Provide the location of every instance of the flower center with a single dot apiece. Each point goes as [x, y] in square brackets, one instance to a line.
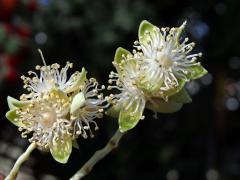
[164, 61]
[47, 119]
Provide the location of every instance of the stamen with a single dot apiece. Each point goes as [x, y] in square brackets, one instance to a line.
[41, 54]
[165, 58]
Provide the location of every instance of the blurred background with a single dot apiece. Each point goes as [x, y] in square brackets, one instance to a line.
[200, 142]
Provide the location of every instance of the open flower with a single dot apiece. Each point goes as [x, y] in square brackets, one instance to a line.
[168, 59]
[43, 120]
[133, 98]
[154, 76]
[57, 110]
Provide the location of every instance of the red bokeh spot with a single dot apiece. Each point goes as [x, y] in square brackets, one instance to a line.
[6, 8]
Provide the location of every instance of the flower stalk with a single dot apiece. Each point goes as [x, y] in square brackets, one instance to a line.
[14, 171]
[97, 156]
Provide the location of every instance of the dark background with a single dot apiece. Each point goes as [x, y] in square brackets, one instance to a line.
[200, 142]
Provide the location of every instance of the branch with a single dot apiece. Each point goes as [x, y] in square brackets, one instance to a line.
[13, 173]
[97, 156]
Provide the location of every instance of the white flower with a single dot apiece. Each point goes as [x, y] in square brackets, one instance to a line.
[57, 110]
[168, 62]
[133, 98]
[44, 120]
[153, 76]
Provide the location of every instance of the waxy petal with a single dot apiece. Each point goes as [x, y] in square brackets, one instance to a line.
[144, 27]
[11, 116]
[120, 52]
[14, 103]
[131, 113]
[61, 149]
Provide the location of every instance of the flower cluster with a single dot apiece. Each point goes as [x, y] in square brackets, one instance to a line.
[154, 75]
[57, 110]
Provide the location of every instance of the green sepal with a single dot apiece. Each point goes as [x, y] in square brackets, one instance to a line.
[161, 106]
[11, 115]
[128, 118]
[181, 97]
[173, 104]
[14, 103]
[61, 149]
[143, 27]
[120, 52]
[77, 102]
[197, 71]
[75, 144]
[114, 110]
